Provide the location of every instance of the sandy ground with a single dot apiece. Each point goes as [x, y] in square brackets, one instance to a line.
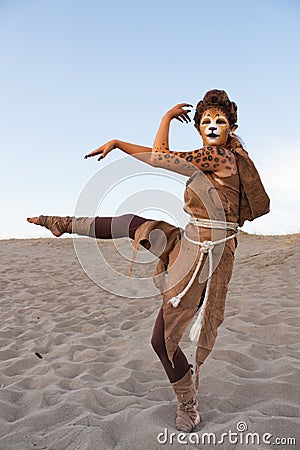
[99, 385]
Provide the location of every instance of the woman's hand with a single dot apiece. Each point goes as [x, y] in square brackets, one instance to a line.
[178, 112]
[103, 150]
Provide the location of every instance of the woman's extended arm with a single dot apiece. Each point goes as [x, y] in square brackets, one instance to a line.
[138, 151]
[145, 153]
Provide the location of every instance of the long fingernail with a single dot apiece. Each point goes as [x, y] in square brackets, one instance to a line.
[100, 157]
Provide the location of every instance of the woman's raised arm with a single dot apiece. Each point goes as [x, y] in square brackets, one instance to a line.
[207, 159]
[161, 155]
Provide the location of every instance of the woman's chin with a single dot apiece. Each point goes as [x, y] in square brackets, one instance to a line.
[213, 142]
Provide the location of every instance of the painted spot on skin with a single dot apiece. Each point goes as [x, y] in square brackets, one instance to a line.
[201, 157]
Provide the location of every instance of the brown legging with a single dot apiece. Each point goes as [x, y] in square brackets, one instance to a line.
[125, 226]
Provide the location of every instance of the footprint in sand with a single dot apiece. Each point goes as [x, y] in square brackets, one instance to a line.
[128, 324]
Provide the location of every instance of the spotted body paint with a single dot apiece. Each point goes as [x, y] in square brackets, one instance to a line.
[206, 159]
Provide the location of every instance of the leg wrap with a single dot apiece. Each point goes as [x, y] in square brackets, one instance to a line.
[187, 417]
[56, 224]
[84, 226]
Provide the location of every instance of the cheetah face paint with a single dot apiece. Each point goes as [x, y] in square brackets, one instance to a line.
[214, 127]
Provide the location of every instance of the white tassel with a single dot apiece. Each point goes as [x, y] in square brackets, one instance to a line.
[196, 328]
[175, 301]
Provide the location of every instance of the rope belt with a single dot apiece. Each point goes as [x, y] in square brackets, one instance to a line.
[206, 247]
[217, 224]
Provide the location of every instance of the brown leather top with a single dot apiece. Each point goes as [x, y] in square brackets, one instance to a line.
[208, 196]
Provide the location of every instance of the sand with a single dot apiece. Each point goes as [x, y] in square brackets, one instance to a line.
[77, 370]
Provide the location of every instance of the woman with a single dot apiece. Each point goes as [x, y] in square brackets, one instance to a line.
[223, 190]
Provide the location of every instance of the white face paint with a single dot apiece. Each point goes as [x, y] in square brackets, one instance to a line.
[214, 127]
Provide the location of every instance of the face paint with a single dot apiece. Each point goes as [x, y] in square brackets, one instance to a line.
[214, 127]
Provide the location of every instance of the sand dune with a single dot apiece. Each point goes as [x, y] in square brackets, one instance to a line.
[77, 370]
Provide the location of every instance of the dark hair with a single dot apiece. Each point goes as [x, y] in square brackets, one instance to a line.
[216, 99]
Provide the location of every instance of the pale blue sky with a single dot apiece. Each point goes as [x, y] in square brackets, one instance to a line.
[75, 74]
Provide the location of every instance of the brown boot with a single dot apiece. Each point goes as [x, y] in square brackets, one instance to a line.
[187, 417]
[56, 224]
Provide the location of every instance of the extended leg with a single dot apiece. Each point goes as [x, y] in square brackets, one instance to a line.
[99, 227]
